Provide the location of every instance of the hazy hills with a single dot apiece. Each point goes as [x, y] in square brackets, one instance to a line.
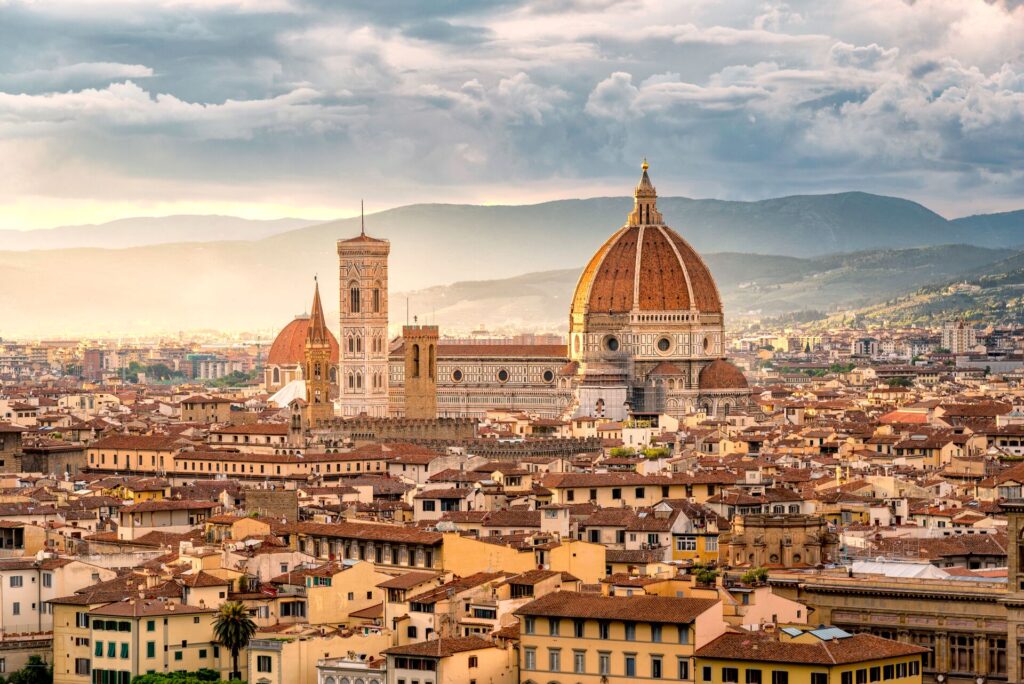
[993, 293]
[136, 232]
[245, 284]
[751, 285]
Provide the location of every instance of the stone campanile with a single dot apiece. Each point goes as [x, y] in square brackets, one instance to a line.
[420, 371]
[316, 372]
[363, 284]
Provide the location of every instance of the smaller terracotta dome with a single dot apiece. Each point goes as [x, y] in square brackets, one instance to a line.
[289, 346]
[722, 375]
[569, 369]
[666, 368]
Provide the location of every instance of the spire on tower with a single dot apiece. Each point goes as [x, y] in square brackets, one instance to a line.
[362, 219]
[316, 333]
[645, 201]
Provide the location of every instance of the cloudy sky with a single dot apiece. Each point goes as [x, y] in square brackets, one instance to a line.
[267, 108]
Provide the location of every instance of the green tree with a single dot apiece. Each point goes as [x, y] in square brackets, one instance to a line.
[201, 675]
[233, 628]
[34, 672]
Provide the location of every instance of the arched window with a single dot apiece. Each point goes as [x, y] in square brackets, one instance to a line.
[415, 360]
[329, 680]
[430, 364]
[353, 297]
[359, 380]
[317, 371]
[351, 381]
[334, 375]
[351, 344]
[376, 297]
[359, 344]
[277, 375]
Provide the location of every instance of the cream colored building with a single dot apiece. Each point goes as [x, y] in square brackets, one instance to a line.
[451, 660]
[567, 637]
[293, 658]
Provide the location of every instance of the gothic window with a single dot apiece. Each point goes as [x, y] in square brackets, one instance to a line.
[351, 344]
[359, 380]
[351, 381]
[359, 344]
[415, 360]
[316, 371]
[376, 298]
[353, 297]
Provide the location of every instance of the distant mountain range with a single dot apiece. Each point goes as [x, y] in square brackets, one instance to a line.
[464, 265]
[137, 232]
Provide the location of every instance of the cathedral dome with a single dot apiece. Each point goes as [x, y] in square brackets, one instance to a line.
[646, 266]
[289, 346]
[721, 375]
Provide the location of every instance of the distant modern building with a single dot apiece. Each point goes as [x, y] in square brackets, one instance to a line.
[864, 346]
[958, 337]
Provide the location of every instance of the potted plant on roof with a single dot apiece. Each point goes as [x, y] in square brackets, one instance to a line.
[754, 577]
[704, 575]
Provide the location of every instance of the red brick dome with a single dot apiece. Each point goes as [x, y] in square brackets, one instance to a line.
[646, 266]
[289, 346]
[722, 375]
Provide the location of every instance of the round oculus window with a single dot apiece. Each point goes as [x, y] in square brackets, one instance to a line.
[548, 376]
[612, 344]
[457, 375]
[503, 375]
[664, 344]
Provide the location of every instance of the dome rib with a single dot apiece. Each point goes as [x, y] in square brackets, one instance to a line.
[645, 266]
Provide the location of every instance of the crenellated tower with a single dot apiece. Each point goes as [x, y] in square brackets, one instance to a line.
[363, 284]
[420, 371]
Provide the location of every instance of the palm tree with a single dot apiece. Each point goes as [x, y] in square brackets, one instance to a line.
[233, 629]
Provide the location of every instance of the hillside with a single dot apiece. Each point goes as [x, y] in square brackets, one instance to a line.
[750, 284]
[990, 294]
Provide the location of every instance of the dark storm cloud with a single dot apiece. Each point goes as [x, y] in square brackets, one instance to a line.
[766, 98]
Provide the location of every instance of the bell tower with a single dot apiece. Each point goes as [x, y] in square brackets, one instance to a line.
[319, 409]
[363, 286]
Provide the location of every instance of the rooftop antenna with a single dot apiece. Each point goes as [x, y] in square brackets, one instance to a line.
[407, 310]
[362, 220]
